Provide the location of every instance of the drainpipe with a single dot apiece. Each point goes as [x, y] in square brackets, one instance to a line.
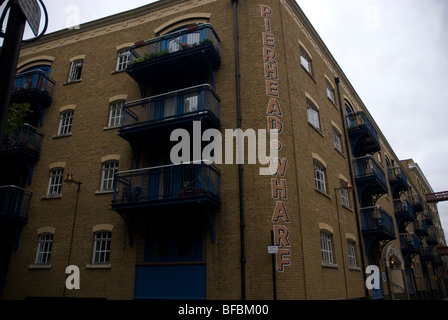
[240, 166]
[355, 201]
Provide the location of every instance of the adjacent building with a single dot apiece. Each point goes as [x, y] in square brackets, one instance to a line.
[89, 179]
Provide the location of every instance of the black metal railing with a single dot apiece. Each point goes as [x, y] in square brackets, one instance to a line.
[403, 209]
[359, 120]
[14, 202]
[36, 80]
[174, 43]
[367, 167]
[171, 182]
[410, 242]
[197, 100]
[376, 219]
[26, 138]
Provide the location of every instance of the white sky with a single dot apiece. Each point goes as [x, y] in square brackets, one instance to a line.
[394, 52]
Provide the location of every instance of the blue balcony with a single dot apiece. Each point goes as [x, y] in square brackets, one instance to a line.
[146, 118]
[420, 228]
[377, 222]
[410, 243]
[427, 254]
[398, 180]
[431, 239]
[416, 203]
[427, 217]
[403, 211]
[31, 86]
[14, 204]
[167, 185]
[370, 178]
[187, 52]
[363, 135]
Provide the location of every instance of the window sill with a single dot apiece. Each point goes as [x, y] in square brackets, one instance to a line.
[340, 152]
[308, 73]
[118, 71]
[39, 266]
[111, 128]
[62, 135]
[99, 266]
[317, 130]
[71, 82]
[322, 193]
[330, 265]
[99, 192]
[59, 196]
[355, 269]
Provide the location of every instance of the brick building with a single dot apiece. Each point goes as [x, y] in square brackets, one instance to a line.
[98, 189]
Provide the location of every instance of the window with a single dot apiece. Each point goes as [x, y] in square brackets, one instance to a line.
[330, 91]
[101, 247]
[75, 71]
[337, 140]
[116, 113]
[351, 253]
[319, 177]
[107, 178]
[123, 60]
[326, 247]
[313, 115]
[65, 124]
[305, 60]
[44, 248]
[344, 194]
[54, 187]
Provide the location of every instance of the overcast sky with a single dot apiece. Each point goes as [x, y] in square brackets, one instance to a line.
[395, 54]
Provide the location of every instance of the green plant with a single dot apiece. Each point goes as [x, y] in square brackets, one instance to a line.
[16, 114]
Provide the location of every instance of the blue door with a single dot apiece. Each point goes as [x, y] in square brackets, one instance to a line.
[173, 266]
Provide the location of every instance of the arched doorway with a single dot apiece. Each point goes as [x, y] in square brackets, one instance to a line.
[398, 287]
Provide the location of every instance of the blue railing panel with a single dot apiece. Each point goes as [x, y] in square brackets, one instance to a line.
[177, 104]
[167, 183]
[358, 120]
[377, 219]
[366, 167]
[175, 42]
[26, 137]
[36, 80]
[14, 201]
[409, 241]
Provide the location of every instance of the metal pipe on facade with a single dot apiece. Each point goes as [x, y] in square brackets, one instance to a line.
[355, 202]
[240, 166]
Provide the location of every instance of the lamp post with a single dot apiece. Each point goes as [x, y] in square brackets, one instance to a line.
[348, 186]
[70, 180]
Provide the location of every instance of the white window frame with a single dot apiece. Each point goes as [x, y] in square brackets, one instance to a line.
[351, 253]
[55, 184]
[75, 70]
[319, 177]
[116, 113]
[65, 123]
[337, 140]
[44, 247]
[313, 115]
[305, 60]
[101, 247]
[344, 194]
[108, 175]
[330, 91]
[123, 60]
[326, 242]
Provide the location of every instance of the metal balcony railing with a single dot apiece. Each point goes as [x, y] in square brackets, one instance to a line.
[166, 184]
[175, 43]
[14, 202]
[198, 100]
[427, 253]
[34, 81]
[27, 138]
[363, 135]
[427, 217]
[403, 209]
[368, 168]
[416, 202]
[420, 228]
[376, 220]
[410, 242]
[431, 239]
